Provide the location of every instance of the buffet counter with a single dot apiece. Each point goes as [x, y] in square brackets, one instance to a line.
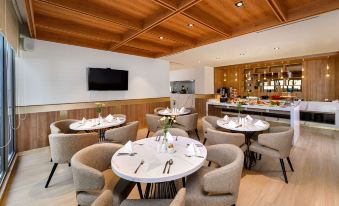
[290, 114]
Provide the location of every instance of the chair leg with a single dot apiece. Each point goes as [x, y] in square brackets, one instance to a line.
[290, 163]
[51, 174]
[209, 163]
[204, 141]
[196, 132]
[259, 157]
[69, 164]
[51, 160]
[283, 169]
[148, 134]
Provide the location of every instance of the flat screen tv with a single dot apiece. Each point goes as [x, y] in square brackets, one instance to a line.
[107, 79]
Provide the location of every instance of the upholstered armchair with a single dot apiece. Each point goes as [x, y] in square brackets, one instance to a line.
[179, 200]
[173, 132]
[218, 137]
[105, 199]
[122, 135]
[209, 122]
[64, 146]
[217, 186]
[188, 123]
[62, 126]
[153, 123]
[92, 174]
[277, 143]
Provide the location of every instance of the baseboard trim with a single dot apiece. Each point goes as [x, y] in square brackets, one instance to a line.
[8, 179]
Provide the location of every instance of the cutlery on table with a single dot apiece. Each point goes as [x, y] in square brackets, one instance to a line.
[163, 172]
[126, 153]
[141, 163]
[170, 162]
[176, 139]
[194, 156]
[240, 125]
[197, 145]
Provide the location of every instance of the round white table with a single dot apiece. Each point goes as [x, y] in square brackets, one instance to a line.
[96, 125]
[249, 129]
[154, 163]
[171, 113]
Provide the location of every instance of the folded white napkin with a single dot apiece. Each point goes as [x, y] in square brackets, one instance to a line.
[190, 151]
[182, 109]
[120, 119]
[197, 150]
[169, 137]
[109, 118]
[166, 111]
[83, 120]
[260, 123]
[226, 117]
[249, 118]
[128, 147]
[232, 124]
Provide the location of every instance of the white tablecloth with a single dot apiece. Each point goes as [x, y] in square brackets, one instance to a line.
[171, 113]
[152, 170]
[245, 127]
[94, 124]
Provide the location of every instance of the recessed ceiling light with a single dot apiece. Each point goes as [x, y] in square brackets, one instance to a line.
[242, 54]
[239, 4]
[161, 37]
[190, 25]
[276, 48]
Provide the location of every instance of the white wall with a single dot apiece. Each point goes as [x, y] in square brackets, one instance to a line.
[204, 78]
[56, 73]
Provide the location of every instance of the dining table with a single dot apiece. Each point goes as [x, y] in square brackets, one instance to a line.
[159, 170]
[99, 125]
[173, 112]
[249, 127]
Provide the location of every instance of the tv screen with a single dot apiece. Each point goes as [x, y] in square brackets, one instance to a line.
[107, 79]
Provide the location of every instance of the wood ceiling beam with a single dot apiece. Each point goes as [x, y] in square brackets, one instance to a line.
[88, 11]
[279, 9]
[147, 45]
[155, 21]
[30, 18]
[172, 35]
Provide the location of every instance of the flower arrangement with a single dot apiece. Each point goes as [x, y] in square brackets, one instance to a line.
[98, 107]
[167, 122]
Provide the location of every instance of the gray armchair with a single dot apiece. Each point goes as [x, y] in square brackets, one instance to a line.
[62, 126]
[179, 200]
[209, 122]
[277, 143]
[64, 146]
[188, 123]
[153, 123]
[122, 135]
[92, 174]
[173, 132]
[217, 186]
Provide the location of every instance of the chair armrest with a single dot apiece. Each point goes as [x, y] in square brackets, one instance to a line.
[179, 199]
[86, 178]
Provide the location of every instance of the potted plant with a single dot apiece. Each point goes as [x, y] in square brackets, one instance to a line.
[98, 108]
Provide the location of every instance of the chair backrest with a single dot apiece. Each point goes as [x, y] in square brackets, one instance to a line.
[209, 122]
[62, 126]
[153, 122]
[88, 165]
[280, 138]
[123, 134]
[173, 132]
[157, 109]
[230, 158]
[105, 199]
[219, 137]
[179, 199]
[189, 122]
[64, 146]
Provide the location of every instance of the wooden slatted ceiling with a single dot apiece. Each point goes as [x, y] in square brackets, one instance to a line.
[135, 27]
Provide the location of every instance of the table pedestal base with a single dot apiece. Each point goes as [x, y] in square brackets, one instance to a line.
[162, 190]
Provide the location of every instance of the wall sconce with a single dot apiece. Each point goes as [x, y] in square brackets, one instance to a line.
[327, 70]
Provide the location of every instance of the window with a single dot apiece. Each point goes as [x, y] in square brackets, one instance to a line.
[7, 107]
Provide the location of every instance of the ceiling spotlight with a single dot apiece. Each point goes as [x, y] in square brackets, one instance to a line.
[239, 4]
[161, 37]
[242, 54]
[276, 48]
[190, 25]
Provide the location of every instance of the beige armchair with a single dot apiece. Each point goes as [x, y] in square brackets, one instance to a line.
[92, 174]
[179, 200]
[122, 135]
[209, 122]
[218, 137]
[105, 199]
[277, 143]
[217, 186]
[173, 132]
[153, 123]
[62, 126]
[64, 146]
[188, 123]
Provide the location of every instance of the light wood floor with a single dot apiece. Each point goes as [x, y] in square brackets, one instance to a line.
[315, 181]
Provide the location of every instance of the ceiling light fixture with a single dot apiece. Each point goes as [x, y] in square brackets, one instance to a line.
[242, 54]
[239, 4]
[276, 48]
[161, 37]
[190, 25]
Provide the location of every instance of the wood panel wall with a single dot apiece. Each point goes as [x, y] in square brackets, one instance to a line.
[315, 86]
[200, 103]
[34, 125]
